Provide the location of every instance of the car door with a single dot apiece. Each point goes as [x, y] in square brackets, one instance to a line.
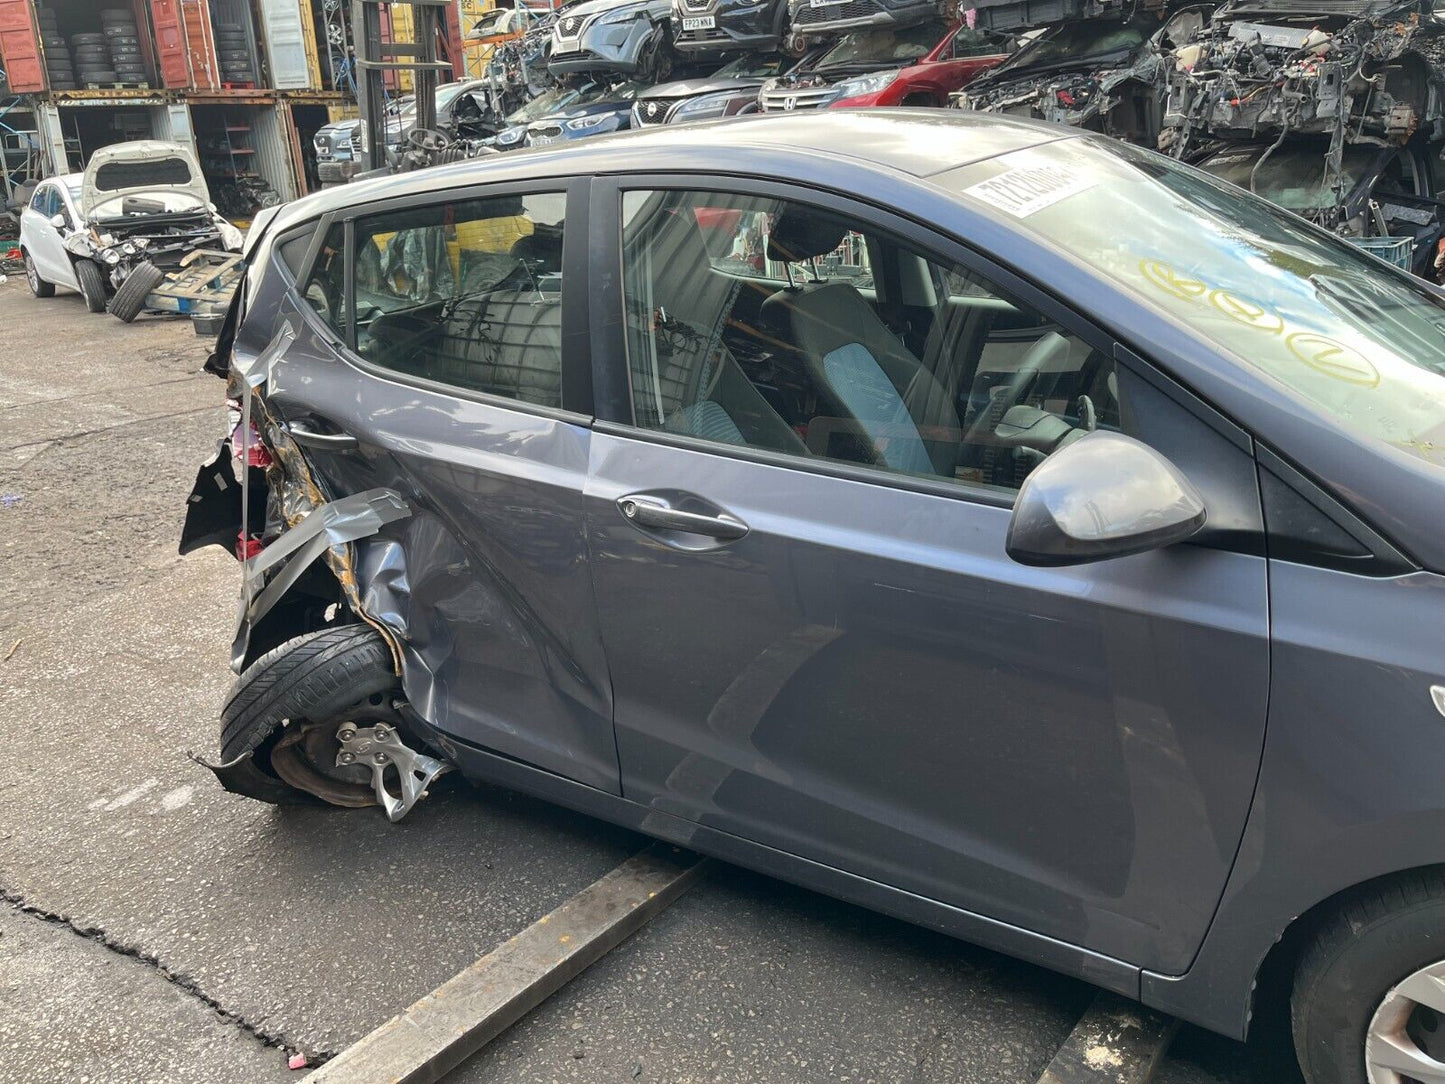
[43, 239]
[454, 385]
[797, 509]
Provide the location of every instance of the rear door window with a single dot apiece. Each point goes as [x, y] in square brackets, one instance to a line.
[466, 294]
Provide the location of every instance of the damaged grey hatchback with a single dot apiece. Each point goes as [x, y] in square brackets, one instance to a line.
[865, 498]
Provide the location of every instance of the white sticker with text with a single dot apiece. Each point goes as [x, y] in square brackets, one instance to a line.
[1027, 189]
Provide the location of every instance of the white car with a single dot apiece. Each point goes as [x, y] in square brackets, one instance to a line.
[138, 207]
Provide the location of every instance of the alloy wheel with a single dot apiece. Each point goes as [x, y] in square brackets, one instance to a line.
[1405, 1042]
[32, 276]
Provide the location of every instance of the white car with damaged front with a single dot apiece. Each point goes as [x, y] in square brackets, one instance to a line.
[139, 205]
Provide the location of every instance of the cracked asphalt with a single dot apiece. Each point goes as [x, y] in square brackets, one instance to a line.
[154, 927]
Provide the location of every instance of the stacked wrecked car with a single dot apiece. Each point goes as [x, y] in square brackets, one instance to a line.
[1329, 109]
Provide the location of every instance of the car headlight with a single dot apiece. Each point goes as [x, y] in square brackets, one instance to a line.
[618, 15]
[110, 256]
[583, 124]
[866, 84]
[507, 136]
[708, 106]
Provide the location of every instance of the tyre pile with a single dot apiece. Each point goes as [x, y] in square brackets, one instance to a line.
[59, 64]
[104, 58]
[234, 53]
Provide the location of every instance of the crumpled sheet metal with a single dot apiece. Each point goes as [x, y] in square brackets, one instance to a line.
[335, 526]
[329, 527]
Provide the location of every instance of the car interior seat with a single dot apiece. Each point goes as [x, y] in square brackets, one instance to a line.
[883, 392]
[689, 380]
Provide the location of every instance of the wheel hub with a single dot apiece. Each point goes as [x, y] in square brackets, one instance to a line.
[1405, 1042]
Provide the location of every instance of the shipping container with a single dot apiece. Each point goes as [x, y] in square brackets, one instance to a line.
[20, 51]
[285, 42]
[235, 34]
[87, 125]
[246, 153]
[306, 120]
[39, 50]
[185, 44]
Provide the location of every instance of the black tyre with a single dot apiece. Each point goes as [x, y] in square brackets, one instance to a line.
[38, 286]
[315, 676]
[118, 51]
[1368, 983]
[87, 39]
[92, 284]
[235, 54]
[91, 52]
[101, 77]
[229, 28]
[130, 296]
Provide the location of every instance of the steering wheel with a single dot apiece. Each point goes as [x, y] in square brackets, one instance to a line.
[1050, 345]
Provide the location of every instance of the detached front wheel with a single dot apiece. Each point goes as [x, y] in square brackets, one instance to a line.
[1369, 994]
[130, 297]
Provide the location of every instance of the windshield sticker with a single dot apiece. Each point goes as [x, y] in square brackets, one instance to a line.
[1028, 189]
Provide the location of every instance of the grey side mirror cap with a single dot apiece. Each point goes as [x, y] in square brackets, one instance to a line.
[1103, 495]
[58, 221]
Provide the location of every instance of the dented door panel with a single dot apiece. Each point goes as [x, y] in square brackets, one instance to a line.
[485, 583]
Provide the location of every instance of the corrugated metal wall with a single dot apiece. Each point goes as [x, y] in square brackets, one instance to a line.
[273, 149]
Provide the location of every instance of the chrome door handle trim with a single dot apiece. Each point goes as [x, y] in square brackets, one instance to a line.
[331, 442]
[649, 511]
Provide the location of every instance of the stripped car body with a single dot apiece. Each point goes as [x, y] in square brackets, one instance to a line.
[1351, 92]
[1101, 71]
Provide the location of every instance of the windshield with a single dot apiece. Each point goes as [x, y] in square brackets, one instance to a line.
[1360, 340]
[744, 66]
[884, 46]
[1293, 176]
[1078, 42]
[445, 96]
[549, 101]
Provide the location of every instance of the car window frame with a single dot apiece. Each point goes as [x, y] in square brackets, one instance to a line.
[612, 375]
[577, 370]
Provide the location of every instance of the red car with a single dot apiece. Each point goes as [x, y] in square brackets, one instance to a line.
[913, 65]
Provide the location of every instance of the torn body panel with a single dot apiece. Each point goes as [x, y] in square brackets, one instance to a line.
[1102, 73]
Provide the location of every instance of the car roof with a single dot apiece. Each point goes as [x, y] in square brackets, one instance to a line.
[914, 142]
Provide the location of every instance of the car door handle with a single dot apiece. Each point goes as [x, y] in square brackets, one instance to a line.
[648, 510]
[307, 437]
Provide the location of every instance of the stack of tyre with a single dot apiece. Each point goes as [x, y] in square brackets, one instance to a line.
[122, 37]
[234, 52]
[59, 64]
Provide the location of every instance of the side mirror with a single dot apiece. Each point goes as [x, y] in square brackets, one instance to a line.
[58, 221]
[1103, 495]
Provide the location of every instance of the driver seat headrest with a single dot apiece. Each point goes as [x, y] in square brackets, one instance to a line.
[801, 233]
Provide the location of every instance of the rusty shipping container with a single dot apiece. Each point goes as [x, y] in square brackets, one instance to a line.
[20, 47]
[185, 44]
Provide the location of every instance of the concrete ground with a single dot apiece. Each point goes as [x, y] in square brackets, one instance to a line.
[153, 926]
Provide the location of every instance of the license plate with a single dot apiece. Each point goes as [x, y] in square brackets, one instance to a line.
[823, 3]
[566, 46]
[542, 140]
[699, 22]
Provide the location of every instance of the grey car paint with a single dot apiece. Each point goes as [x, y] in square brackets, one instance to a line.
[1346, 787]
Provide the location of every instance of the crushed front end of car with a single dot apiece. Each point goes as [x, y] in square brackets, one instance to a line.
[146, 203]
[1101, 69]
[1343, 99]
[1357, 72]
